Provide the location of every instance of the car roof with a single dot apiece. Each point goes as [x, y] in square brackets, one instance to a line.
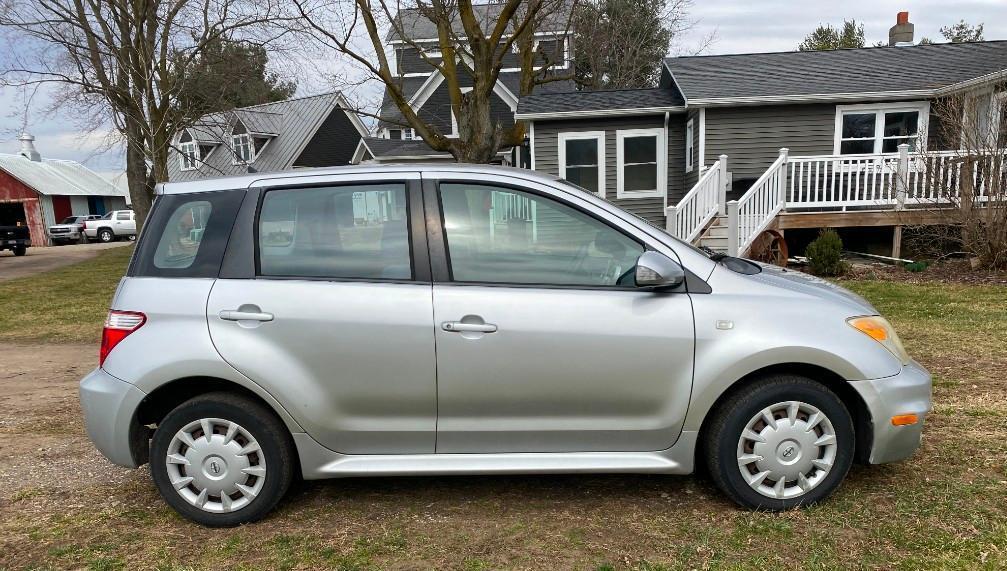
[244, 181]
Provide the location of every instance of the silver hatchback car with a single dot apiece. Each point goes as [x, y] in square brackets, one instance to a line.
[447, 319]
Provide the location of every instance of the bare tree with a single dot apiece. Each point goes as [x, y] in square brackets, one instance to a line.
[118, 61]
[967, 185]
[473, 44]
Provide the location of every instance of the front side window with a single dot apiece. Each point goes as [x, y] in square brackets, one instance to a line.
[241, 146]
[640, 162]
[122, 216]
[503, 236]
[356, 231]
[872, 129]
[582, 160]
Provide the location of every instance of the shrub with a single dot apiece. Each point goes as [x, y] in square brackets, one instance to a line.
[825, 254]
[916, 266]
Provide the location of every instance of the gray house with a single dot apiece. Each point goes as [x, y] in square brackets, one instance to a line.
[316, 131]
[427, 93]
[713, 130]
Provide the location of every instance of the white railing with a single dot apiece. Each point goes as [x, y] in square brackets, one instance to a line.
[748, 216]
[841, 181]
[701, 204]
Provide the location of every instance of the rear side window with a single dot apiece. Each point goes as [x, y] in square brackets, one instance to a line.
[354, 231]
[185, 235]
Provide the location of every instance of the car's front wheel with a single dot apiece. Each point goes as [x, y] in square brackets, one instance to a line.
[221, 459]
[779, 443]
[19, 250]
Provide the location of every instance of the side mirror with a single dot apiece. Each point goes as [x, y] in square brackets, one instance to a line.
[654, 270]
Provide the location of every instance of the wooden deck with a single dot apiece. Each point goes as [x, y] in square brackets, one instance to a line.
[859, 218]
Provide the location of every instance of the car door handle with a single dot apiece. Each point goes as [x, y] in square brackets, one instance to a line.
[235, 315]
[459, 327]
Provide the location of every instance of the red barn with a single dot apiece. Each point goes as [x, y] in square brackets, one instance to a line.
[41, 192]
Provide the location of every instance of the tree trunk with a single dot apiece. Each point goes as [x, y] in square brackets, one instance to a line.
[140, 193]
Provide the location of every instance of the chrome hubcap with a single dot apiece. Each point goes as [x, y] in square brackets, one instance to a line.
[216, 465]
[787, 449]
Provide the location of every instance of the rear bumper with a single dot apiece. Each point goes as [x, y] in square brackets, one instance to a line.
[908, 392]
[109, 405]
[15, 243]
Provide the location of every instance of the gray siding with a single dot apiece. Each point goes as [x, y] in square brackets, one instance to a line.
[752, 137]
[690, 178]
[547, 156]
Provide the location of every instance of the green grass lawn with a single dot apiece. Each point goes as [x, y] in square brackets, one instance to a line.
[67, 305]
[944, 508]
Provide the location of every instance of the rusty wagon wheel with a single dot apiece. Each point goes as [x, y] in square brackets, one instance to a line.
[770, 247]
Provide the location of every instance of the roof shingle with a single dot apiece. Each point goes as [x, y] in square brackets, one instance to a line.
[834, 72]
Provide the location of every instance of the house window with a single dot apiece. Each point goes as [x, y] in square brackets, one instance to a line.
[873, 129]
[689, 156]
[582, 160]
[408, 134]
[188, 152]
[639, 163]
[241, 146]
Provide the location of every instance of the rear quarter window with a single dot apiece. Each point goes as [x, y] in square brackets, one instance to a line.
[185, 235]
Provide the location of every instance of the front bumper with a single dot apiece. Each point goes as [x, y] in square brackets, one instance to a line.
[109, 405]
[908, 392]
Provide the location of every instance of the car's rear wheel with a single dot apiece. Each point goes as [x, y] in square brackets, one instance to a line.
[105, 235]
[19, 250]
[779, 443]
[221, 459]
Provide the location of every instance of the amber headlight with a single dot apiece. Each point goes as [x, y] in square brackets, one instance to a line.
[878, 328]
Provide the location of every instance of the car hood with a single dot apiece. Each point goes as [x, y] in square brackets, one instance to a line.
[802, 283]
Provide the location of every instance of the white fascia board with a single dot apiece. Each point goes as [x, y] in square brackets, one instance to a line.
[812, 98]
[426, 90]
[601, 113]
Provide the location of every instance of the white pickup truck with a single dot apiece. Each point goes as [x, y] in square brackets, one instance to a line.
[112, 226]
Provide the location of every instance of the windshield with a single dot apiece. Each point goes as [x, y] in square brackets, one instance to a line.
[69, 220]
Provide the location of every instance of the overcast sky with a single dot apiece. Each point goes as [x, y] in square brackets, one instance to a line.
[740, 26]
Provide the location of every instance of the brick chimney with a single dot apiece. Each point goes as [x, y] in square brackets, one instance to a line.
[901, 34]
[28, 147]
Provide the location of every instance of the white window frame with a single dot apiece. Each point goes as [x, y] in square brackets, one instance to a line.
[188, 155]
[599, 138]
[690, 148]
[662, 174]
[235, 157]
[879, 110]
[408, 134]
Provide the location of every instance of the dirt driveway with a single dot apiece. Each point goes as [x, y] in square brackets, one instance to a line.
[39, 260]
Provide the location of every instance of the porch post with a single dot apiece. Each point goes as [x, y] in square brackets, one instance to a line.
[901, 189]
[732, 228]
[902, 177]
[725, 181]
[671, 220]
[785, 155]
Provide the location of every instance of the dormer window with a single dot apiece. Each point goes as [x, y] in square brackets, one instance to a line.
[188, 152]
[242, 148]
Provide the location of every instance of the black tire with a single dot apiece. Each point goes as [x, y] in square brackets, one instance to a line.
[105, 235]
[729, 419]
[19, 250]
[272, 436]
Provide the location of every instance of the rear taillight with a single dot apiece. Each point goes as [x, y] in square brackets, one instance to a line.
[118, 326]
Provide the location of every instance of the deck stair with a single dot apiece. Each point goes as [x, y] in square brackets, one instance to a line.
[715, 235]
